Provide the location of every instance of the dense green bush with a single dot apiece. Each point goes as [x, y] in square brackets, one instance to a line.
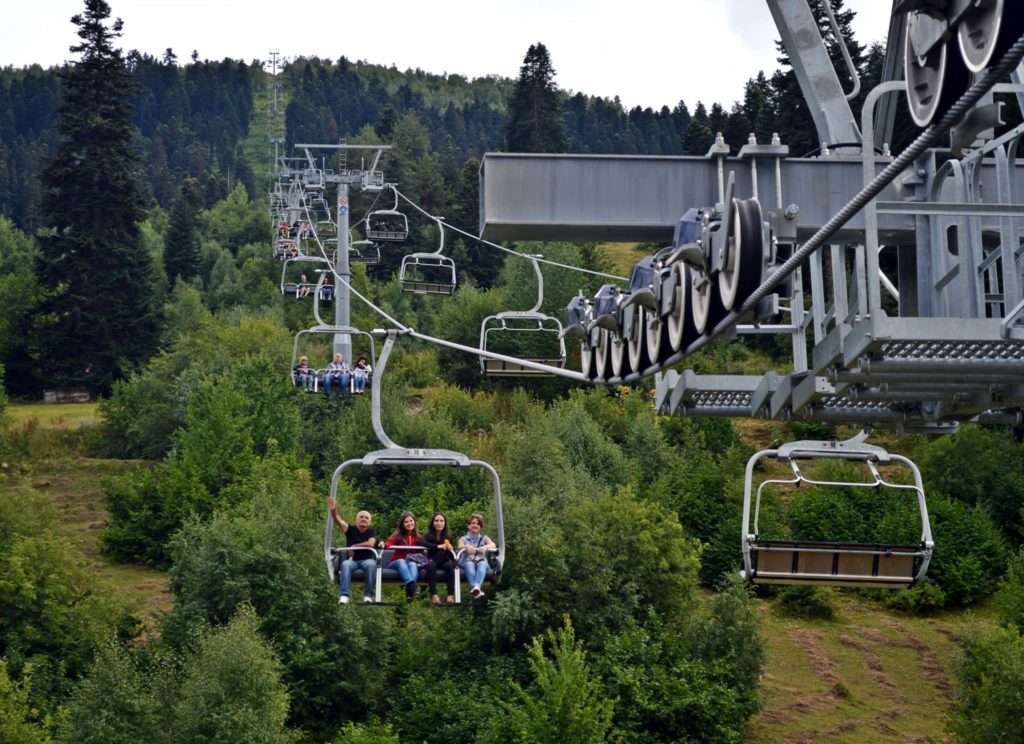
[1010, 597]
[989, 678]
[567, 704]
[144, 411]
[227, 688]
[17, 716]
[808, 601]
[694, 487]
[232, 688]
[52, 614]
[699, 684]
[979, 466]
[268, 553]
[229, 424]
[567, 560]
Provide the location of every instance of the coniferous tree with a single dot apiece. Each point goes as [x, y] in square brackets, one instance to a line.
[794, 121]
[535, 119]
[181, 251]
[699, 136]
[99, 315]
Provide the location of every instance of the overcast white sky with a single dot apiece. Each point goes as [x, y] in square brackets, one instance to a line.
[648, 52]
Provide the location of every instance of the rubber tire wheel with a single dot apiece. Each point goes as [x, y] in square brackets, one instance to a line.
[602, 365]
[619, 355]
[1004, 18]
[637, 342]
[925, 102]
[747, 243]
[586, 360]
[706, 307]
[681, 330]
[657, 339]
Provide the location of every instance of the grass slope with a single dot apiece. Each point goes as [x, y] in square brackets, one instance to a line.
[868, 675]
[76, 486]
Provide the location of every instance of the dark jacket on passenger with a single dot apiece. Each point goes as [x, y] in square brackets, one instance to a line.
[435, 552]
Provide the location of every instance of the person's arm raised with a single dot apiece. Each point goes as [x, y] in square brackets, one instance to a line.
[333, 506]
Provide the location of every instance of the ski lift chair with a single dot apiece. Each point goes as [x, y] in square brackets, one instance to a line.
[294, 288]
[365, 252]
[394, 455]
[801, 562]
[527, 321]
[329, 330]
[388, 225]
[428, 273]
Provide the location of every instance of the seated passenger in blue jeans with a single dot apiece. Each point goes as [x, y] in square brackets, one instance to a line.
[474, 546]
[358, 535]
[337, 373]
[408, 557]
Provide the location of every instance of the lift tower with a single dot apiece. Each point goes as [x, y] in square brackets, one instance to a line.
[362, 178]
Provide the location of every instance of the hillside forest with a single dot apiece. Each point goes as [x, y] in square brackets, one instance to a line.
[162, 572]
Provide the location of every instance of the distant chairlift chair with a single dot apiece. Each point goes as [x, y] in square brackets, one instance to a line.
[394, 455]
[527, 321]
[364, 252]
[289, 286]
[388, 225]
[428, 273]
[327, 329]
[832, 563]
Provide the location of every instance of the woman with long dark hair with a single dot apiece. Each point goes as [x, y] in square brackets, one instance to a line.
[440, 557]
[407, 556]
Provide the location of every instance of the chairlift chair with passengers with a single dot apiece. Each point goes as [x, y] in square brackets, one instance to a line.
[428, 273]
[519, 322]
[388, 225]
[326, 329]
[364, 252]
[833, 563]
[394, 455]
[298, 288]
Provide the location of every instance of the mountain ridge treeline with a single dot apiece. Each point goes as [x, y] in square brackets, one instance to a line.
[192, 118]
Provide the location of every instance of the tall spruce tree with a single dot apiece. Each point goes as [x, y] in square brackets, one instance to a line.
[536, 122]
[98, 318]
[181, 249]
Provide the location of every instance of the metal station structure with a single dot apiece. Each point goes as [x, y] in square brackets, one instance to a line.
[794, 247]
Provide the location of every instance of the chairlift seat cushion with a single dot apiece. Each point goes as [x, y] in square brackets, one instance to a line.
[501, 368]
[437, 288]
[836, 564]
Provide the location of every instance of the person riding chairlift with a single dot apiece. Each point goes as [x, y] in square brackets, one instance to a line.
[338, 374]
[304, 375]
[440, 557]
[360, 374]
[475, 545]
[405, 561]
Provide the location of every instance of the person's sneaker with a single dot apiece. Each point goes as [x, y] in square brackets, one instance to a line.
[476, 591]
[368, 600]
[343, 599]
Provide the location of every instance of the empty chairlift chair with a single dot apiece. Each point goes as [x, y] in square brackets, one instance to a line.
[531, 321]
[394, 455]
[428, 273]
[833, 563]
